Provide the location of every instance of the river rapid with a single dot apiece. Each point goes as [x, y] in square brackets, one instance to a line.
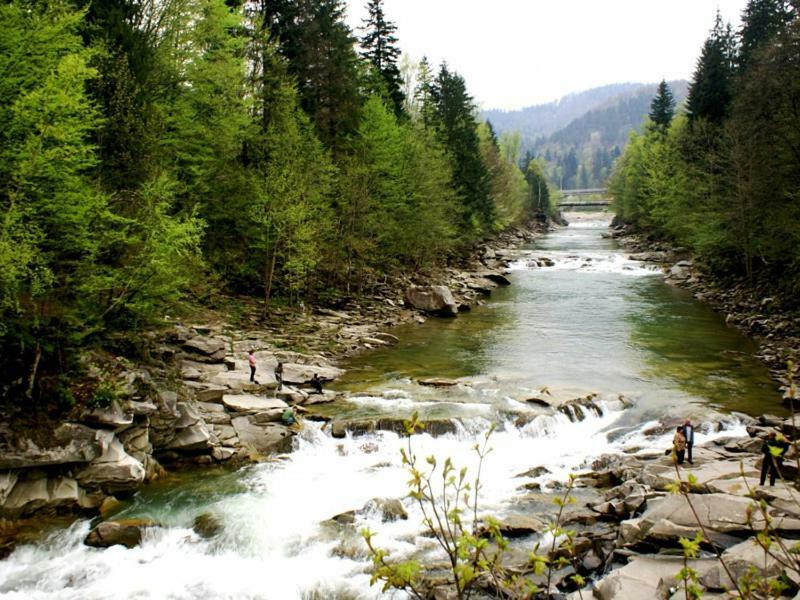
[594, 322]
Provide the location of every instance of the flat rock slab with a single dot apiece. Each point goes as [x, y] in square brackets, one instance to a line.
[641, 577]
[251, 403]
[297, 374]
[438, 382]
[265, 438]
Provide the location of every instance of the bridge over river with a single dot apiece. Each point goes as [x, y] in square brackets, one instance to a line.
[584, 198]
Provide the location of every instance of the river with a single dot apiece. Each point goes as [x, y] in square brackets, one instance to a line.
[595, 322]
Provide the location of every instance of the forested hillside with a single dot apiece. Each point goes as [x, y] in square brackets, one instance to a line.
[159, 153]
[723, 178]
[580, 151]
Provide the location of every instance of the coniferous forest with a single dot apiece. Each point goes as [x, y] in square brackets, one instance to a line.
[155, 153]
[722, 177]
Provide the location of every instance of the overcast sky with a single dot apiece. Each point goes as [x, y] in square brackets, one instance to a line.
[515, 53]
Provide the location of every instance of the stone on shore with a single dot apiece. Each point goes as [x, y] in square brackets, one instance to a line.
[73, 443]
[266, 438]
[750, 556]
[125, 532]
[114, 470]
[248, 403]
[437, 382]
[435, 299]
[641, 578]
[297, 374]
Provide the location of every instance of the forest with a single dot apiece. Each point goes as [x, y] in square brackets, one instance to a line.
[722, 177]
[154, 154]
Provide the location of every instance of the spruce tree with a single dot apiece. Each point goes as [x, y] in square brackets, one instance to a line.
[455, 118]
[318, 45]
[710, 91]
[761, 21]
[379, 48]
[662, 108]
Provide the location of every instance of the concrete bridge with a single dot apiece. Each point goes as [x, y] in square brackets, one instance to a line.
[571, 198]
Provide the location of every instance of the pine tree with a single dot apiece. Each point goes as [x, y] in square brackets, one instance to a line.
[379, 48]
[762, 20]
[314, 38]
[455, 119]
[662, 108]
[710, 91]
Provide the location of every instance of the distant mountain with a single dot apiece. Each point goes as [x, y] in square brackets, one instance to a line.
[534, 122]
[581, 151]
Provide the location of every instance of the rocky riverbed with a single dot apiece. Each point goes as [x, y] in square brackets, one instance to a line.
[193, 402]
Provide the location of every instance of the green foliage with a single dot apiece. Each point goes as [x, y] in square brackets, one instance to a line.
[380, 49]
[726, 184]
[662, 109]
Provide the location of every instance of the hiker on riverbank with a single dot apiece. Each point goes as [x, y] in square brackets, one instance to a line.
[251, 359]
[679, 444]
[688, 433]
[316, 383]
[773, 450]
[279, 374]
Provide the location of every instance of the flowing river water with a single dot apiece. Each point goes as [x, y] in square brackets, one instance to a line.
[595, 322]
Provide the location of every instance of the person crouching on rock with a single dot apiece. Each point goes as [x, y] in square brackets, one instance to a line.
[316, 383]
[252, 360]
[773, 450]
[688, 433]
[679, 445]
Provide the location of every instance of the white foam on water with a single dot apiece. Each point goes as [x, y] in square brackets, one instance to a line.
[274, 546]
[585, 262]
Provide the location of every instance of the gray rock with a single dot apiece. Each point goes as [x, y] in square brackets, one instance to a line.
[7, 482]
[436, 299]
[112, 416]
[269, 438]
[210, 394]
[207, 525]
[38, 492]
[248, 403]
[140, 408]
[126, 532]
[437, 382]
[206, 347]
[73, 443]
[297, 374]
[114, 470]
[743, 557]
[221, 453]
[641, 578]
[390, 509]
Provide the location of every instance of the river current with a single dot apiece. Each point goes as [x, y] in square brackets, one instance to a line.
[594, 322]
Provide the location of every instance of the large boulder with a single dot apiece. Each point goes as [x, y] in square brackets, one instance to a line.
[191, 431]
[114, 470]
[125, 532]
[435, 299]
[113, 416]
[641, 578]
[71, 443]
[247, 403]
[36, 492]
[262, 438]
[747, 557]
[206, 349]
[297, 374]
[721, 515]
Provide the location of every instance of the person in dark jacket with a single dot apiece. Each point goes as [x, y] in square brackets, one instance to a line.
[316, 383]
[773, 450]
[688, 433]
[279, 375]
[679, 444]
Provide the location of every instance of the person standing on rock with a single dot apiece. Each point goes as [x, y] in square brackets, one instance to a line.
[688, 433]
[279, 375]
[773, 450]
[679, 445]
[251, 359]
[316, 383]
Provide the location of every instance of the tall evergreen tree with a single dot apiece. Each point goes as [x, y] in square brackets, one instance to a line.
[662, 108]
[455, 116]
[316, 41]
[710, 91]
[379, 47]
[762, 20]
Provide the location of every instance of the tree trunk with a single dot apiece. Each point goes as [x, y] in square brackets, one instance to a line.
[269, 272]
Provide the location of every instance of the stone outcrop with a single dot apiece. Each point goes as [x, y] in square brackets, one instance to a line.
[435, 299]
[127, 532]
[72, 443]
[114, 470]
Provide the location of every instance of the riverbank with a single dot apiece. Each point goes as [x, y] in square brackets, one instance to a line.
[191, 402]
[752, 307]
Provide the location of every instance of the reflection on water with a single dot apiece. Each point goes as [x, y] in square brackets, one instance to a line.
[596, 321]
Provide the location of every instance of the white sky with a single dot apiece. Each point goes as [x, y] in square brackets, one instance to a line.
[515, 53]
